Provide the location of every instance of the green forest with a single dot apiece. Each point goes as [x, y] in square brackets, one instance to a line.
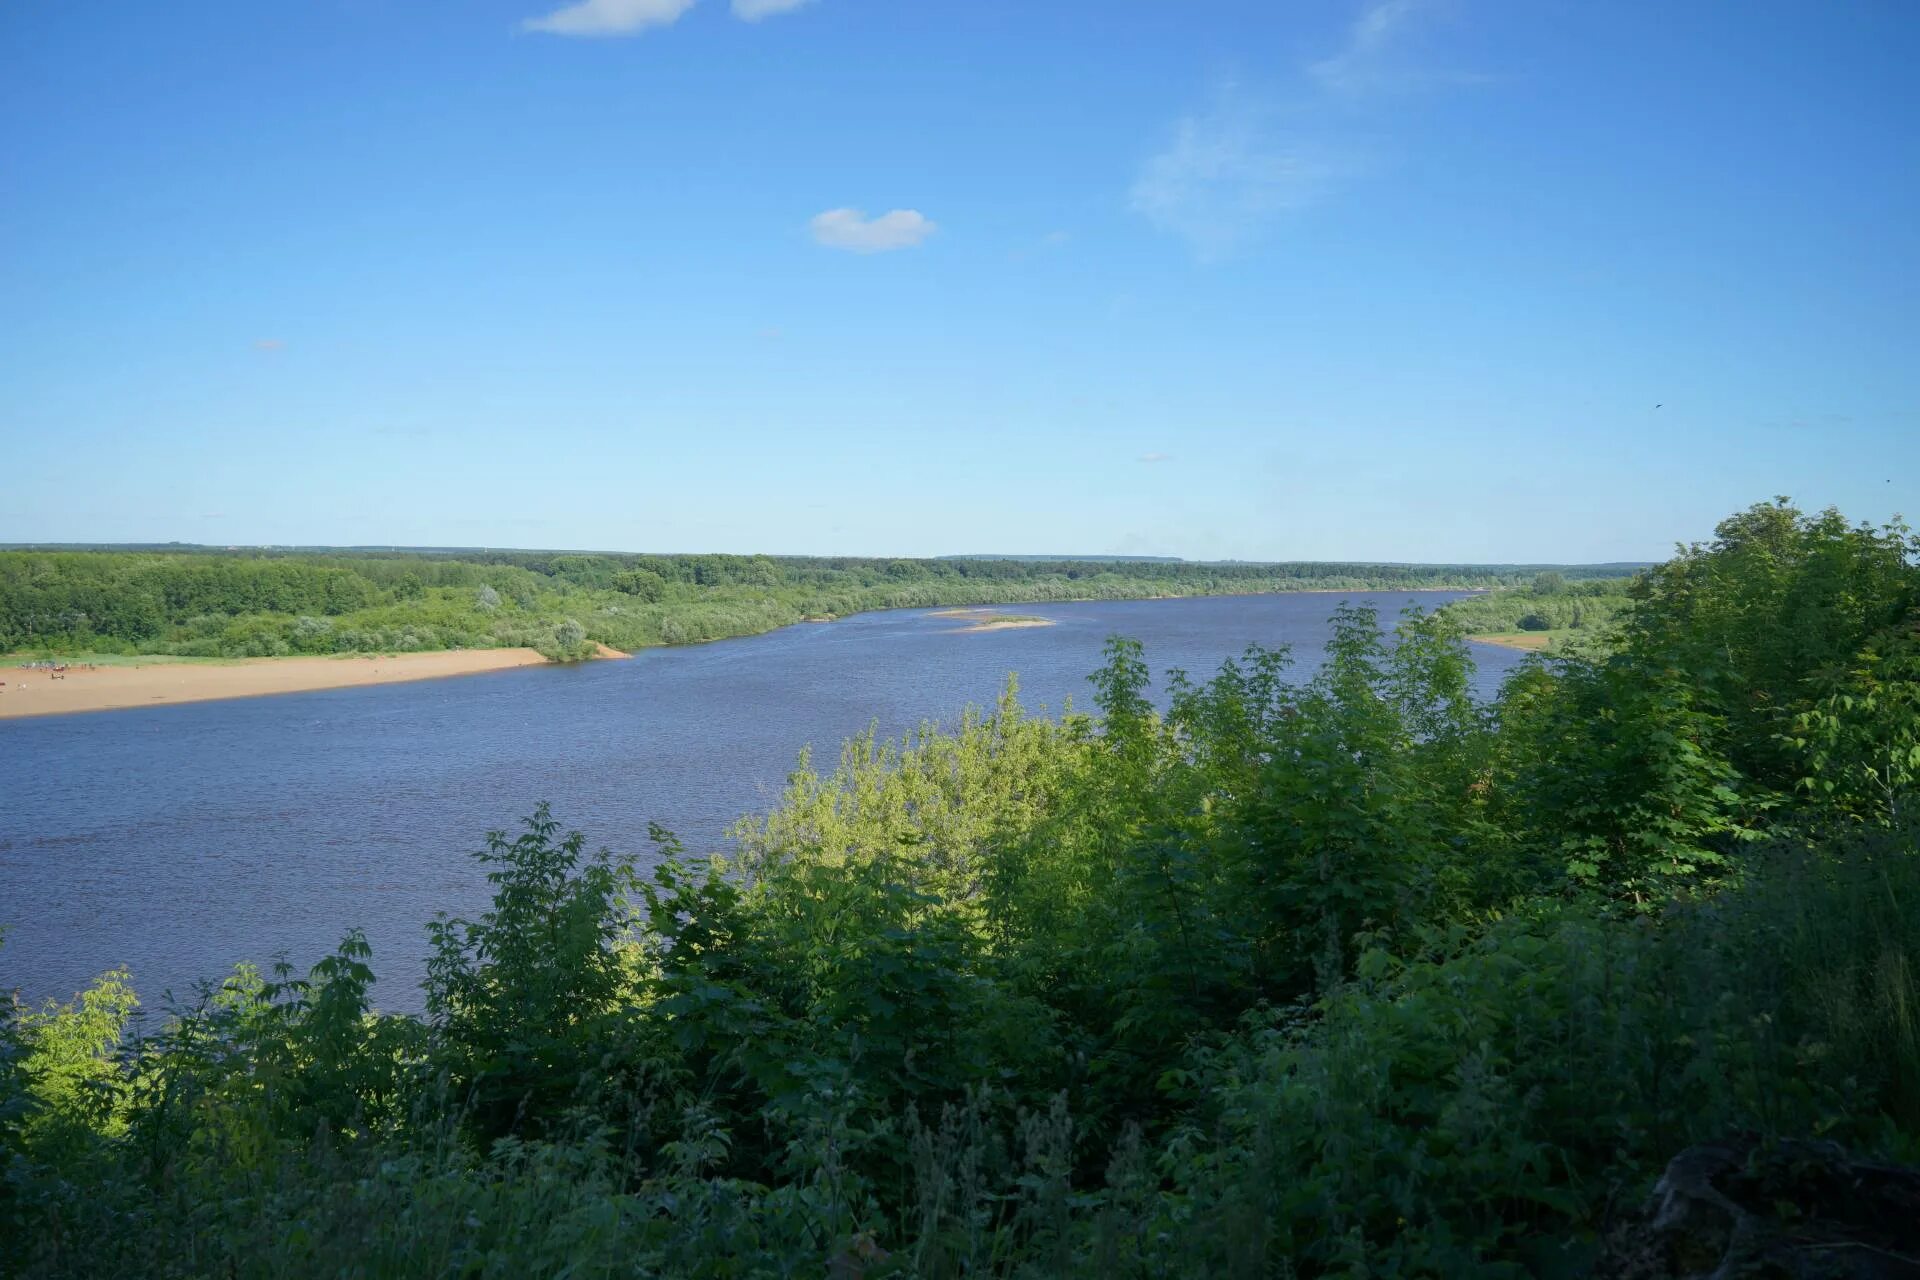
[1550, 604]
[217, 604]
[1261, 972]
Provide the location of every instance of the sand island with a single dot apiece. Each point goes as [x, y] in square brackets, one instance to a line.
[989, 620]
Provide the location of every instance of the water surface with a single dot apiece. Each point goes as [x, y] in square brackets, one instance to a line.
[178, 840]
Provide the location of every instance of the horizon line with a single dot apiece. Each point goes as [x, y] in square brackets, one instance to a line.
[1013, 557]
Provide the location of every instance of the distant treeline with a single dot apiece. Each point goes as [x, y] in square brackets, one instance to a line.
[213, 603]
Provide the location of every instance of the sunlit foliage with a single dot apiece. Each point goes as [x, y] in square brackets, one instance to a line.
[256, 603]
[1284, 971]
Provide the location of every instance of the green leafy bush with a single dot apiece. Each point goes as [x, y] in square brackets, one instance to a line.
[1335, 972]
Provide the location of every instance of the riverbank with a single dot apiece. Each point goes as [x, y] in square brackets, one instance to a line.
[118, 683]
[144, 683]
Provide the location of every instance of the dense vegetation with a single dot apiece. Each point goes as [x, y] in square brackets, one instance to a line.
[258, 604]
[1337, 973]
[1549, 603]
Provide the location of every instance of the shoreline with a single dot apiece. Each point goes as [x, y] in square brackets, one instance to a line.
[162, 680]
[120, 687]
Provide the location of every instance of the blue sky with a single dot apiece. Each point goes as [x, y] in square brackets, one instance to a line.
[1325, 279]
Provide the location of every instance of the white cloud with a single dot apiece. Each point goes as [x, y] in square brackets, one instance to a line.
[754, 10]
[1227, 170]
[1156, 457]
[853, 230]
[1052, 242]
[609, 17]
[1367, 64]
[1352, 67]
[268, 344]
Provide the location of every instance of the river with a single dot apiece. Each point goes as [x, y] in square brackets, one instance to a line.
[178, 840]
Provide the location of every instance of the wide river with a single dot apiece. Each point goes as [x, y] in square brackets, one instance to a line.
[179, 840]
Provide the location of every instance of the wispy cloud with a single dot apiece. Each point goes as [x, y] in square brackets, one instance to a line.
[1226, 171]
[754, 10]
[1812, 421]
[609, 17]
[269, 344]
[1052, 242]
[631, 17]
[1156, 457]
[854, 231]
[1357, 66]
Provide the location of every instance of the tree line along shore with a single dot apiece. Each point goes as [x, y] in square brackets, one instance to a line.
[246, 604]
[1332, 973]
[145, 628]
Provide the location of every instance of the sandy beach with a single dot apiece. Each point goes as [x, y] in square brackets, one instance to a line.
[39, 693]
[989, 620]
[1005, 624]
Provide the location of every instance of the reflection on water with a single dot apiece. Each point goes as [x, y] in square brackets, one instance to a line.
[178, 840]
